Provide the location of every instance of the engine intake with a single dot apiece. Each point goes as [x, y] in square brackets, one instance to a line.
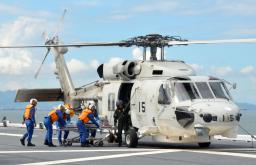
[124, 70]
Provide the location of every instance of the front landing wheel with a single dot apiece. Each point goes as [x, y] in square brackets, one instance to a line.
[131, 138]
[204, 145]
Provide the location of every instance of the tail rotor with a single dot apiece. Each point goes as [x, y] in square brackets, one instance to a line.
[51, 41]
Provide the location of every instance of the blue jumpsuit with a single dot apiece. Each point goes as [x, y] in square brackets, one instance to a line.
[30, 125]
[97, 119]
[66, 132]
[83, 130]
[48, 125]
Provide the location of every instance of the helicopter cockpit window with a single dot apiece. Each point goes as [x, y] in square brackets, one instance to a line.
[204, 90]
[164, 95]
[219, 90]
[186, 91]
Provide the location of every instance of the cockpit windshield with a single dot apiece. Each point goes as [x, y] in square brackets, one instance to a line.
[219, 90]
[186, 91]
[204, 90]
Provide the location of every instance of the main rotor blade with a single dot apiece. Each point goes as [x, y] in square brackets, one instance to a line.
[39, 69]
[67, 45]
[228, 41]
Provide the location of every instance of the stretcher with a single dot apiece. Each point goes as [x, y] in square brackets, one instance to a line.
[106, 133]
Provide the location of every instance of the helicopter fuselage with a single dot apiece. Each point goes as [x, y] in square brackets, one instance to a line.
[186, 108]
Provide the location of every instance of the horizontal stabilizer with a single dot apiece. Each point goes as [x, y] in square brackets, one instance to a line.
[54, 94]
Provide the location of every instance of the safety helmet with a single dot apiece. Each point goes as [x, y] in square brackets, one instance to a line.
[119, 103]
[61, 107]
[67, 111]
[33, 101]
[91, 105]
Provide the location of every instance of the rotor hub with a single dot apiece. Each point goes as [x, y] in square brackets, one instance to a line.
[152, 41]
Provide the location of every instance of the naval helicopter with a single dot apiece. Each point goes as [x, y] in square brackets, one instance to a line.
[166, 99]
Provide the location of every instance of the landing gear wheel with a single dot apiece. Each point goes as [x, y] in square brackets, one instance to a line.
[131, 138]
[204, 145]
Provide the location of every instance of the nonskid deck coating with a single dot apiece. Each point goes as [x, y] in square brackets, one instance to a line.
[220, 152]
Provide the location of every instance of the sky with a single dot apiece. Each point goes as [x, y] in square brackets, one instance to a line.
[24, 21]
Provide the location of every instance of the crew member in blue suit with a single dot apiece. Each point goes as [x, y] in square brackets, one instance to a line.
[69, 113]
[55, 115]
[84, 118]
[29, 119]
[94, 131]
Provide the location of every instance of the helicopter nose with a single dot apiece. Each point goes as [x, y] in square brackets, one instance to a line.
[217, 112]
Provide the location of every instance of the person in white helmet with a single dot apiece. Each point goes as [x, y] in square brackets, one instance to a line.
[29, 119]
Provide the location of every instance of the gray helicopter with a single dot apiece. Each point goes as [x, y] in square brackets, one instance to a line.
[166, 100]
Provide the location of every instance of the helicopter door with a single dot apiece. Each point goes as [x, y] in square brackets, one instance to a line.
[124, 94]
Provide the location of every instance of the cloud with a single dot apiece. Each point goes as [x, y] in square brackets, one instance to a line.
[222, 71]
[94, 64]
[248, 69]
[20, 31]
[114, 60]
[236, 7]
[14, 65]
[77, 66]
[197, 67]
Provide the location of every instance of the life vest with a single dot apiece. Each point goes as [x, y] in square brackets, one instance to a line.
[53, 115]
[27, 112]
[84, 115]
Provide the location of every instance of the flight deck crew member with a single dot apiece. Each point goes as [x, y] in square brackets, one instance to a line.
[97, 119]
[86, 116]
[29, 119]
[55, 115]
[67, 118]
[120, 118]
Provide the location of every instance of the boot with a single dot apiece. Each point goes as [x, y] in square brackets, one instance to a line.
[64, 141]
[61, 144]
[85, 145]
[22, 141]
[51, 145]
[30, 144]
[46, 142]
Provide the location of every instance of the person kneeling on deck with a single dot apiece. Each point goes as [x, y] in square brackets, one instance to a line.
[55, 115]
[84, 118]
[67, 118]
[29, 119]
